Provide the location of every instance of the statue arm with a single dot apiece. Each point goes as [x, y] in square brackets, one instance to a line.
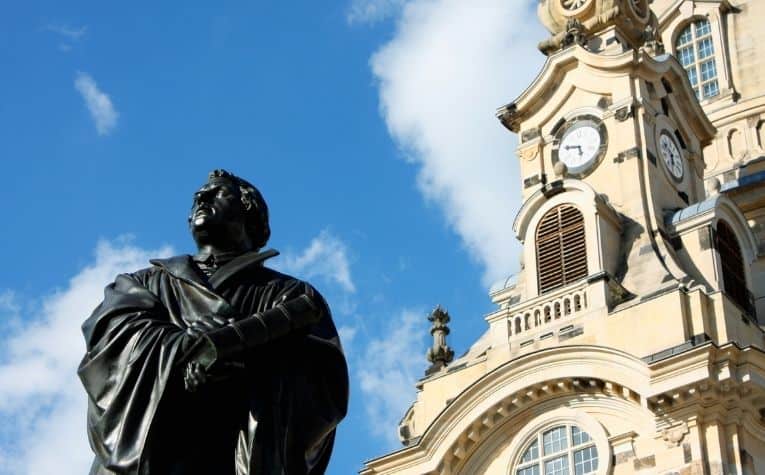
[131, 348]
[288, 316]
[227, 341]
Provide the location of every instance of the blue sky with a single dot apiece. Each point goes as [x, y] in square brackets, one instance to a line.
[367, 124]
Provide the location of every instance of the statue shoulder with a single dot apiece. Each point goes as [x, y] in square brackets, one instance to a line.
[157, 267]
[287, 283]
[140, 278]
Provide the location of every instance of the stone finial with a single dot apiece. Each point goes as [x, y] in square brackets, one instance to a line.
[439, 354]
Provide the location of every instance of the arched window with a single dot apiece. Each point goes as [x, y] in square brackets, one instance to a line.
[734, 280]
[562, 450]
[561, 248]
[696, 51]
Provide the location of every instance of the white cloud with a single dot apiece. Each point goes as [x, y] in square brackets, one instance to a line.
[99, 104]
[326, 257]
[8, 303]
[69, 32]
[347, 335]
[389, 369]
[450, 64]
[371, 11]
[42, 404]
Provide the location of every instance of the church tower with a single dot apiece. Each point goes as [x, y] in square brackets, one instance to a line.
[629, 340]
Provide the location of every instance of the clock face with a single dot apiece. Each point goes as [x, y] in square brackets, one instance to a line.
[580, 146]
[670, 154]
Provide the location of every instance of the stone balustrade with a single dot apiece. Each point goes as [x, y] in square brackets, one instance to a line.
[534, 316]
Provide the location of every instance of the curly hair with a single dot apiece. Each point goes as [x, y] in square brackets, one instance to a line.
[257, 225]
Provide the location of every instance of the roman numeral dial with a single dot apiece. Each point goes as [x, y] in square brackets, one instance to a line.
[671, 156]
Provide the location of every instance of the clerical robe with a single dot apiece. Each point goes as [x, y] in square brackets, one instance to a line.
[274, 413]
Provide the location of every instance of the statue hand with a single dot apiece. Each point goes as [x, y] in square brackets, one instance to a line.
[194, 376]
[224, 341]
[206, 323]
[202, 364]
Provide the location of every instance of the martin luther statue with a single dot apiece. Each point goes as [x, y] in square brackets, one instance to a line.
[213, 363]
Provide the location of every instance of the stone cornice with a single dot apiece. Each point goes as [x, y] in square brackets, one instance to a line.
[507, 389]
[726, 377]
[707, 375]
[550, 78]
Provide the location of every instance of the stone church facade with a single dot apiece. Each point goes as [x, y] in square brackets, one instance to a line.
[629, 342]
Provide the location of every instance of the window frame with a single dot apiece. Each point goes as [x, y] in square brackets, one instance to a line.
[568, 452]
[729, 250]
[601, 221]
[695, 45]
[562, 257]
[559, 417]
[674, 21]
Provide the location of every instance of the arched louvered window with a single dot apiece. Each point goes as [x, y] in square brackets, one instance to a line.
[695, 49]
[734, 280]
[561, 248]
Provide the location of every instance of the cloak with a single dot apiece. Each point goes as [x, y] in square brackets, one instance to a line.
[274, 413]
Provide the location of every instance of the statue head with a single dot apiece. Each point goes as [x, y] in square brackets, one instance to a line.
[229, 213]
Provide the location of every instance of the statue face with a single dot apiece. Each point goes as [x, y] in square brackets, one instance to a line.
[217, 213]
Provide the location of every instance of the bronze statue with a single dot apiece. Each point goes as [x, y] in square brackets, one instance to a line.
[214, 363]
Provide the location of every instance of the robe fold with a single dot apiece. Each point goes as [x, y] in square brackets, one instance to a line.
[275, 414]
